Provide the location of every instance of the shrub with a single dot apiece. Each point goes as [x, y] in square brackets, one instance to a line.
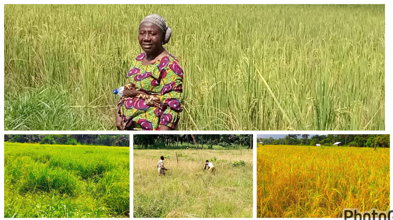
[71, 141]
[19, 138]
[238, 163]
[48, 140]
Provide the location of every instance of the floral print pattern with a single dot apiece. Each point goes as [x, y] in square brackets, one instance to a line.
[163, 78]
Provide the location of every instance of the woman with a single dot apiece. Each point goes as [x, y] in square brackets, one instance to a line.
[152, 97]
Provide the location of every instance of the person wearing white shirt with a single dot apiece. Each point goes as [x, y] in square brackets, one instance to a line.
[209, 166]
[161, 167]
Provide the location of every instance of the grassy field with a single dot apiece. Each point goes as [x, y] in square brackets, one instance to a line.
[54, 181]
[302, 181]
[247, 67]
[187, 190]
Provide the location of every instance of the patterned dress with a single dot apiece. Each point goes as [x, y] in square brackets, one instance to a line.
[163, 79]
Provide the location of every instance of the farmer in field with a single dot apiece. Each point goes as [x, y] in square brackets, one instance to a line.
[209, 166]
[160, 166]
[152, 97]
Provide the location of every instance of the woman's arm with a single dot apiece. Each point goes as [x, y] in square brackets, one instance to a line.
[119, 120]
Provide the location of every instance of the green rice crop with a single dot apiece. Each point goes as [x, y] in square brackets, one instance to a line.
[56, 181]
[247, 67]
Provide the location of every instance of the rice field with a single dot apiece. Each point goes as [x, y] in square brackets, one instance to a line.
[58, 181]
[303, 181]
[186, 191]
[247, 67]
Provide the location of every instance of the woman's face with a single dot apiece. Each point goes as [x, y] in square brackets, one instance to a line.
[150, 37]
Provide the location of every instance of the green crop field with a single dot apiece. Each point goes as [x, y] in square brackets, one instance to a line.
[56, 181]
[187, 191]
[247, 67]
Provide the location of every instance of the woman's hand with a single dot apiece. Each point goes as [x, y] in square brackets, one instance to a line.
[119, 120]
[164, 128]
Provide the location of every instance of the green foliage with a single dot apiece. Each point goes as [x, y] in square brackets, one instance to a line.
[108, 140]
[41, 109]
[43, 178]
[358, 140]
[214, 159]
[238, 163]
[48, 140]
[71, 141]
[186, 141]
[65, 181]
[19, 138]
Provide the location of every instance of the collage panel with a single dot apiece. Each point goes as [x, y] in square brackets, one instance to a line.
[318, 176]
[280, 67]
[66, 176]
[193, 176]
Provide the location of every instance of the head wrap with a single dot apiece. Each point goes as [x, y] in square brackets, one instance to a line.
[161, 23]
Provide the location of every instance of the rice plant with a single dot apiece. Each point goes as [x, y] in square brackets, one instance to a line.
[55, 181]
[247, 67]
[303, 181]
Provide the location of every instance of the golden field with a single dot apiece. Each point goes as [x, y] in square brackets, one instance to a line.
[187, 190]
[308, 181]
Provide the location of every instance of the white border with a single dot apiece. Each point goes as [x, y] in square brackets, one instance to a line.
[388, 90]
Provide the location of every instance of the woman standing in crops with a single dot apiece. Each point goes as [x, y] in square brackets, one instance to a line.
[152, 97]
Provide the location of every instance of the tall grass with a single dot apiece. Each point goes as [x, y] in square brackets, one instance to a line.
[56, 181]
[247, 67]
[303, 181]
[188, 191]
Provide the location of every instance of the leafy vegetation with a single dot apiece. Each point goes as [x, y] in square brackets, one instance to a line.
[185, 141]
[308, 181]
[187, 191]
[356, 140]
[312, 67]
[57, 181]
[74, 139]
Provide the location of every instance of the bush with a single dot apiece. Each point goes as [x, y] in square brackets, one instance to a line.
[71, 141]
[48, 140]
[19, 139]
[158, 145]
[353, 143]
[224, 144]
[238, 163]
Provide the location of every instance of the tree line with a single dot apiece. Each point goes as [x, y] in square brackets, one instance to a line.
[71, 139]
[198, 141]
[355, 140]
